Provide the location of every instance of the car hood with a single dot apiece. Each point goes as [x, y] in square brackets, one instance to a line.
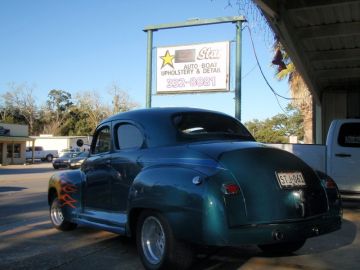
[76, 159]
[254, 167]
[61, 159]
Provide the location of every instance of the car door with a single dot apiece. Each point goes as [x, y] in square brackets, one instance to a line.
[345, 157]
[128, 144]
[38, 152]
[98, 173]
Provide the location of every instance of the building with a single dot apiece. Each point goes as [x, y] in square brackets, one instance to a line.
[60, 143]
[13, 141]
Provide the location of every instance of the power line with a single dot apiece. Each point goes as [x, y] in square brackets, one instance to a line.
[247, 73]
[261, 71]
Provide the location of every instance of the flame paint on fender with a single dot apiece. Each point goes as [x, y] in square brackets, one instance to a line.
[65, 198]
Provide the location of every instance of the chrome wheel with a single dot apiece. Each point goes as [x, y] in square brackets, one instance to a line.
[56, 214]
[153, 240]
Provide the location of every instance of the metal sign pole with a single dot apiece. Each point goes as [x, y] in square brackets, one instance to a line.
[238, 72]
[197, 22]
[149, 67]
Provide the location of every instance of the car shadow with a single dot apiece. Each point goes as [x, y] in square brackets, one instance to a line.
[87, 248]
[8, 189]
[23, 170]
[233, 258]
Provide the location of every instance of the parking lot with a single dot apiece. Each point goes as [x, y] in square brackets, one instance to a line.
[28, 240]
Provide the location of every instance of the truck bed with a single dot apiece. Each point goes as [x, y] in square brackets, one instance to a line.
[313, 154]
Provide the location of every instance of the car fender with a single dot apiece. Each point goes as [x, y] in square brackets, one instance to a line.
[67, 187]
[175, 191]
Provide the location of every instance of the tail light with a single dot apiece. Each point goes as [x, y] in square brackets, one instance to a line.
[329, 183]
[230, 189]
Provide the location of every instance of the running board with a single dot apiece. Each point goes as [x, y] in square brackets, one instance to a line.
[105, 227]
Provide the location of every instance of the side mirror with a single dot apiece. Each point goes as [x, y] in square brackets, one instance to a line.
[79, 142]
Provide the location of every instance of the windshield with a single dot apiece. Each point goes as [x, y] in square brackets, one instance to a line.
[69, 155]
[83, 154]
[199, 125]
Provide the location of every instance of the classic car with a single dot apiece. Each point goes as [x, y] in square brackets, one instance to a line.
[76, 161]
[64, 160]
[179, 178]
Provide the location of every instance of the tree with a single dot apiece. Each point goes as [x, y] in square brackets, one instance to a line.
[120, 99]
[89, 103]
[60, 115]
[76, 123]
[300, 93]
[5, 109]
[19, 99]
[302, 98]
[278, 128]
[56, 109]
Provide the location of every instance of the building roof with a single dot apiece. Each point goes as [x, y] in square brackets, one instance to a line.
[15, 139]
[323, 39]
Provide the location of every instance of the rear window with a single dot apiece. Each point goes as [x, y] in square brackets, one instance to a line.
[210, 126]
[349, 135]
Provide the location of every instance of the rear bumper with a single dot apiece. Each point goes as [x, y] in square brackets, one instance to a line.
[268, 233]
[348, 195]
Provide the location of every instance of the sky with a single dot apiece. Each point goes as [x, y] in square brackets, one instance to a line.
[82, 45]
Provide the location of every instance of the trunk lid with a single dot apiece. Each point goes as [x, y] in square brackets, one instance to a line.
[255, 168]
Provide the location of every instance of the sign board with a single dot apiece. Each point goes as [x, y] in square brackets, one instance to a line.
[193, 68]
[4, 131]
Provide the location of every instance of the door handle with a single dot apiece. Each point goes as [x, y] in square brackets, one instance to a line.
[342, 155]
[108, 162]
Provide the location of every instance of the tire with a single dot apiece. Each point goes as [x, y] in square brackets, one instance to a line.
[157, 247]
[282, 248]
[57, 217]
[55, 167]
[49, 158]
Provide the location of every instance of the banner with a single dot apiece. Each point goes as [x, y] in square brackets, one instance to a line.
[193, 68]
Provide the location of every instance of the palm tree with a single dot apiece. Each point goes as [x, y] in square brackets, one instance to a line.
[301, 96]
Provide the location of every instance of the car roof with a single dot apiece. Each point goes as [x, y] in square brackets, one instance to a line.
[166, 111]
[157, 122]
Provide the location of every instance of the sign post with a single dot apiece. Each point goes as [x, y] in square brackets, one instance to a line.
[238, 72]
[149, 68]
[193, 83]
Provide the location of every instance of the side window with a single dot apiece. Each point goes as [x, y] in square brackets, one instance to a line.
[128, 137]
[103, 141]
[349, 135]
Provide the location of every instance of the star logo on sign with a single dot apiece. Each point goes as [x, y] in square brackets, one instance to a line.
[167, 59]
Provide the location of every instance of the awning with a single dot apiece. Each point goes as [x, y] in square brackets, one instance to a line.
[15, 139]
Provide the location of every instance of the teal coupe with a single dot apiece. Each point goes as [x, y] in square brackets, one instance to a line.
[180, 178]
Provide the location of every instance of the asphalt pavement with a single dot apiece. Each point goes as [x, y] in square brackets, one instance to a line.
[28, 240]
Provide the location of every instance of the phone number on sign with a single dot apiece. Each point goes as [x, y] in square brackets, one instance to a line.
[192, 82]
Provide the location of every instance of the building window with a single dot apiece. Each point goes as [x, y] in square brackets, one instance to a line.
[17, 150]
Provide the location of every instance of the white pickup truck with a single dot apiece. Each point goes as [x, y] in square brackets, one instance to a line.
[339, 158]
[42, 154]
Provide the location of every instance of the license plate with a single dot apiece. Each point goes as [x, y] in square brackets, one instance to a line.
[290, 179]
